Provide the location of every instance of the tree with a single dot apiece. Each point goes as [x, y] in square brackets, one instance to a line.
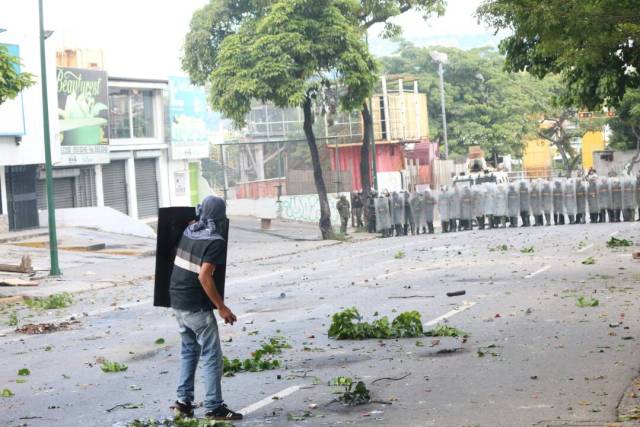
[12, 82]
[592, 44]
[292, 56]
[625, 126]
[486, 106]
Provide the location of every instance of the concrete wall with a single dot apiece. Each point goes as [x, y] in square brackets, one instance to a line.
[305, 208]
[618, 165]
[21, 26]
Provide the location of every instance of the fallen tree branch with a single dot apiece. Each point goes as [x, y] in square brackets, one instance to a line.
[391, 379]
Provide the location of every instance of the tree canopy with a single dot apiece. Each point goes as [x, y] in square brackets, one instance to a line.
[485, 105]
[12, 82]
[592, 44]
[625, 126]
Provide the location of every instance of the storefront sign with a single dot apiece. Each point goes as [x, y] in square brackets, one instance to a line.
[188, 118]
[83, 100]
[12, 110]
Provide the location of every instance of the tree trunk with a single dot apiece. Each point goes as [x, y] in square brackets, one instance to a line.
[365, 170]
[636, 157]
[325, 211]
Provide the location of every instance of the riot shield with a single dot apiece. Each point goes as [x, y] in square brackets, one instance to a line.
[383, 215]
[525, 196]
[489, 198]
[443, 205]
[466, 201]
[513, 201]
[581, 197]
[454, 203]
[592, 196]
[558, 197]
[409, 214]
[546, 197]
[477, 204]
[604, 195]
[501, 201]
[616, 193]
[397, 209]
[171, 225]
[628, 193]
[416, 200]
[536, 197]
[569, 193]
[430, 203]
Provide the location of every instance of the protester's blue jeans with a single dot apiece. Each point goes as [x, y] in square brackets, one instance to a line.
[200, 340]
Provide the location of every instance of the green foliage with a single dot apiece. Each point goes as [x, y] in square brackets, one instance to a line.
[160, 341]
[348, 324]
[11, 81]
[587, 302]
[24, 372]
[6, 393]
[352, 393]
[261, 359]
[446, 331]
[591, 43]
[112, 367]
[299, 417]
[625, 126]
[499, 248]
[13, 319]
[51, 302]
[528, 250]
[399, 255]
[486, 106]
[589, 261]
[614, 242]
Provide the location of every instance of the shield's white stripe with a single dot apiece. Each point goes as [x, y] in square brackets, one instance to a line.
[187, 265]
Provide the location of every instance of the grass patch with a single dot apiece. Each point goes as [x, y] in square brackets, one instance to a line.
[348, 325]
[446, 331]
[584, 302]
[113, 367]
[400, 255]
[51, 302]
[589, 261]
[618, 243]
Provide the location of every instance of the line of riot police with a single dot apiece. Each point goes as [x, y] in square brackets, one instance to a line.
[523, 203]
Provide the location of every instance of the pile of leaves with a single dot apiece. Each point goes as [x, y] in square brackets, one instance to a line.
[400, 255]
[528, 250]
[589, 261]
[348, 325]
[618, 243]
[499, 248]
[51, 302]
[45, 328]
[446, 331]
[178, 422]
[112, 367]
[261, 360]
[351, 393]
[587, 302]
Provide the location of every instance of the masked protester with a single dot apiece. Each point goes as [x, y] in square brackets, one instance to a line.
[199, 265]
[344, 209]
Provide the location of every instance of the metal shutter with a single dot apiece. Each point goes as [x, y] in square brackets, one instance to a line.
[63, 193]
[146, 187]
[86, 188]
[22, 197]
[114, 182]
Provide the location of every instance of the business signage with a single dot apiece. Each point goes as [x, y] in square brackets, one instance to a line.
[12, 110]
[188, 118]
[83, 99]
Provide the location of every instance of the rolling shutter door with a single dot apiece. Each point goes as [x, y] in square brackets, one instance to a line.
[146, 187]
[86, 188]
[114, 182]
[63, 193]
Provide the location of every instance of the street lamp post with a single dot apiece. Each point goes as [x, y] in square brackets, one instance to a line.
[51, 204]
[441, 59]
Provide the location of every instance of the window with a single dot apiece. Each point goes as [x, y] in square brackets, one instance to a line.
[131, 113]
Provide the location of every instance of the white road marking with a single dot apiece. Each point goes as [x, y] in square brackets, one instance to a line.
[270, 399]
[466, 305]
[535, 273]
[613, 234]
[585, 248]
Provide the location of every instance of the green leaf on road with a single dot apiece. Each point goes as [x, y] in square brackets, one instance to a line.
[589, 261]
[24, 372]
[400, 255]
[6, 393]
[587, 302]
[160, 341]
[528, 250]
[111, 367]
[51, 302]
[446, 331]
[617, 243]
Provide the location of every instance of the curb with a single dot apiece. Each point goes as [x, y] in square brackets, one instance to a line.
[20, 237]
[630, 404]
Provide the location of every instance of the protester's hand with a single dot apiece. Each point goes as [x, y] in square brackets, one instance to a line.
[227, 315]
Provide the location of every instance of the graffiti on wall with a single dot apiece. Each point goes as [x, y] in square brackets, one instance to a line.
[306, 208]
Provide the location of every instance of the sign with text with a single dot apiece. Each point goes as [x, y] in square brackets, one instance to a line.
[83, 99]
[188, 118]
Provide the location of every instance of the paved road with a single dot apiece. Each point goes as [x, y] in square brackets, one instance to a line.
[545, 359]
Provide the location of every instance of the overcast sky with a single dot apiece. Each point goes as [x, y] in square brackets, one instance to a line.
[143, 38]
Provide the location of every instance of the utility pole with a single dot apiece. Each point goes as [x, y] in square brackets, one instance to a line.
[441, 59]
[51, 203]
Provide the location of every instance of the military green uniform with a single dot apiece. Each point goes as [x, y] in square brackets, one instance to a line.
[343, 209]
